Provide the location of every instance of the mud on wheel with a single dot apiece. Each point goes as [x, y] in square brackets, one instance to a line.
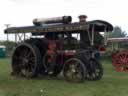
[94, 70]
[25, 60]
[74, 70]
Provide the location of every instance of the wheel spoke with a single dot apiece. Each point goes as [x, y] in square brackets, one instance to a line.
[94, 70]
[121, 60]
[26, 60]
[73, 70]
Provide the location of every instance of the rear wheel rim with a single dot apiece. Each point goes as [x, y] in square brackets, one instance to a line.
[24, 61]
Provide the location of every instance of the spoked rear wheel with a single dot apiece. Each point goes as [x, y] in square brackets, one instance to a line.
[94, 70]
[74, 70]
[26, 60]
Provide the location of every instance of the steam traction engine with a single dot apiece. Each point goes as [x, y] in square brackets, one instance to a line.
[58, 45]
[119, 55]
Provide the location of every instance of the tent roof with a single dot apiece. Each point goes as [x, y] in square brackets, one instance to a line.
[125, 39]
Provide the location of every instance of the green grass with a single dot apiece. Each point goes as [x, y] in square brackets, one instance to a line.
[112, 84]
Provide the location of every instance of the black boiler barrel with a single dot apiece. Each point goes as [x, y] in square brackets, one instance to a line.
[63, 19]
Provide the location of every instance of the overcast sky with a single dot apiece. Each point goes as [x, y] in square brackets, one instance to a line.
[22, 12]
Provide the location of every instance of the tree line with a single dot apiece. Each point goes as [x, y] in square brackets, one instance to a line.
[117, 33]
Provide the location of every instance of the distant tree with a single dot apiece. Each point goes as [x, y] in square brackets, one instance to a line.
[118, 32]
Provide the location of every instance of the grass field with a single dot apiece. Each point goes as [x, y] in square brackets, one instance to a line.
[112, 84]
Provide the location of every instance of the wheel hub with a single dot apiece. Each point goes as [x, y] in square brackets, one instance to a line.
[25, 61]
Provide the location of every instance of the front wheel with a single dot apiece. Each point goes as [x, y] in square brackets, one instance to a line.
[74, 70]
[94, 70]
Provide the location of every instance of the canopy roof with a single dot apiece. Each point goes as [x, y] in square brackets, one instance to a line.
[96, 25]
[101, 25]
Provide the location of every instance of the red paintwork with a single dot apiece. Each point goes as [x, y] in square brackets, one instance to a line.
[55, 51]
[102, 49]
[69, 54]
[120, 61]
[52, 45]
[51, 52]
